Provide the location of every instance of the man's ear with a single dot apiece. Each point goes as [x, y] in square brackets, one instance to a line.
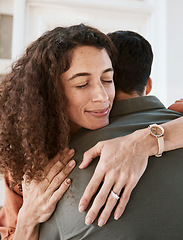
[148, 86]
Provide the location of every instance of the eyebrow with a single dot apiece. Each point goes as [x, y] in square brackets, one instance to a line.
[81, 74]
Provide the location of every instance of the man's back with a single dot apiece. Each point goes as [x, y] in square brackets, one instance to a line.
[155, 208]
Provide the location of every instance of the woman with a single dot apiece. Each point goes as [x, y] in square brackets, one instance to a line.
[36, 118]
[36, 99]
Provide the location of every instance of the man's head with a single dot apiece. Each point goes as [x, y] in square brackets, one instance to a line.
[134, 62]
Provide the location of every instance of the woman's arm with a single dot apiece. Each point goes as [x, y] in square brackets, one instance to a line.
[39, 200]
[118, 170]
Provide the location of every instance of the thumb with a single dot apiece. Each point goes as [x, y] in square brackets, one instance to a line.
[92, 153]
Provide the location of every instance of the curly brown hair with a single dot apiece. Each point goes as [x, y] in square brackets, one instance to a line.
[33, 119]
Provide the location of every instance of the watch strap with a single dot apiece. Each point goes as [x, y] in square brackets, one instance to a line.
[160, 146]
[159, 136]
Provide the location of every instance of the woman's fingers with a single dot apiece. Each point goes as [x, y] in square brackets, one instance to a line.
[50, 205]
[116, 198]
[112, 200]
[91, 154]
[99, 201]
[47, 192]
[57, 195]
[55, 169]
[56, 188]
[55, 166]
[63, 157]
[105, 197]
[59, 178]
[67, 155]
[123, 201]
[109, 199]
[119, 171]
[90, 190]
[110, 204]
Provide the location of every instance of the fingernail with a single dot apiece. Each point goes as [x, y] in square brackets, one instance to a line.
[68, 181]
[116, 216]
[81, 208]
[81, 165]
[71, 151]
[101, 223]
[72, 163]
[88, 221]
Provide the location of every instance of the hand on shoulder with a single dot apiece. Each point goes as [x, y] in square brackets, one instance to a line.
[177, 106]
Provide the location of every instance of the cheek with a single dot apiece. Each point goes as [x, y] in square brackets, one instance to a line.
[111, 93]
[75, 102]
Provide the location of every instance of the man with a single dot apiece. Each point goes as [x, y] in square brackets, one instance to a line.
[155, 208]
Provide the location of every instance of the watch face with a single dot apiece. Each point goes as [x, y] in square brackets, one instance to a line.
[157, 130]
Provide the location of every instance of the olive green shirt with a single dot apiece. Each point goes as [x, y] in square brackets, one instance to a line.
[155, 208]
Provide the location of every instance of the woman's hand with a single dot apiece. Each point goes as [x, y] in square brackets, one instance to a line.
[40, 198]
[177, 106]
[122, 162]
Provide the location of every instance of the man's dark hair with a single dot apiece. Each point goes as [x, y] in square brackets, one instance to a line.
[135, 58]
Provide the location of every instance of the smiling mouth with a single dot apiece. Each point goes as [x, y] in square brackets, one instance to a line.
[99, 112]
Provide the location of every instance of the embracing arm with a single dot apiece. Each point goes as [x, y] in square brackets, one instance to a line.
[118, 170]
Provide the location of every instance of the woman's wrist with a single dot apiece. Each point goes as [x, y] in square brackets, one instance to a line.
[26, 218]
[148, 144]
[173, 134]
[26, 228]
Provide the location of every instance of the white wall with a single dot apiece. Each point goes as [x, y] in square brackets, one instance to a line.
[174, 50]
[148, 17]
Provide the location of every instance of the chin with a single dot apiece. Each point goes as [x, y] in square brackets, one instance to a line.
[97, 126]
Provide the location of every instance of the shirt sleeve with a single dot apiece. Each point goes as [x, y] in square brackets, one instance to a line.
[177, 106]
[9, 212]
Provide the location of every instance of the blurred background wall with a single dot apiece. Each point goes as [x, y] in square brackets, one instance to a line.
[160, 21]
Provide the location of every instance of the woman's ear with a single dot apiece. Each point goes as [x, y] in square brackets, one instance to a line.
[148, 86]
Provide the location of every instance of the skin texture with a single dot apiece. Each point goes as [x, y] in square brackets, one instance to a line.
[89, 88]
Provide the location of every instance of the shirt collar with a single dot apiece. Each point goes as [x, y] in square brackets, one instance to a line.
[136, 104]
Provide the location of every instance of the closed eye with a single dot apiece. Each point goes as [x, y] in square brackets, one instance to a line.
[107, 81]
[82, 86]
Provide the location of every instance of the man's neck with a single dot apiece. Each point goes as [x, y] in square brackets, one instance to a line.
[122, 95]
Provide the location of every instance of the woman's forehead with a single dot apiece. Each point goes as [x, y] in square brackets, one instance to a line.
[84, 54]
[88, 59]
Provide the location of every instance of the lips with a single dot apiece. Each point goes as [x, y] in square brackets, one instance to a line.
[99, 112]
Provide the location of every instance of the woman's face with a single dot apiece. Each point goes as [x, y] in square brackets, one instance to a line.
[89, 88]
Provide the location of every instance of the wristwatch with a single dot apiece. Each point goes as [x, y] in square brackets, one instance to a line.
[158, 132]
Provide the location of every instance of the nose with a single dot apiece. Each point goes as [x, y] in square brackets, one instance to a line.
[100, 93]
